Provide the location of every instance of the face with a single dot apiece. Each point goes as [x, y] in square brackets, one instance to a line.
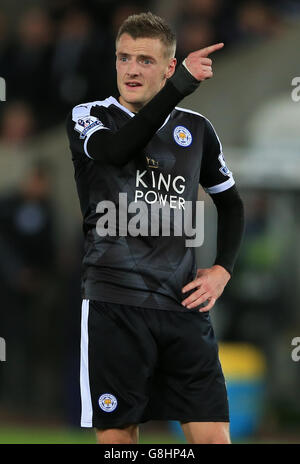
[142, 70]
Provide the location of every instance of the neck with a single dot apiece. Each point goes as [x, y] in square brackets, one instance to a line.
[136, 107]
[133, 107]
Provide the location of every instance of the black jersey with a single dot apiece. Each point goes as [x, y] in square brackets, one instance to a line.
[143, 270]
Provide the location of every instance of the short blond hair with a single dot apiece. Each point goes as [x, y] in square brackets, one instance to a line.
[148, 25]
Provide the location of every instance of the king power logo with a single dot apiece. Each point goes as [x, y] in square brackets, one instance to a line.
[2, 349]
[2, 89]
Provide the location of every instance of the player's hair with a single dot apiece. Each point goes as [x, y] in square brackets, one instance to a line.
[148, 25]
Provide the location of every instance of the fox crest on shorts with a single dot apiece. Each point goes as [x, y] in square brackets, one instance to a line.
[108, 402]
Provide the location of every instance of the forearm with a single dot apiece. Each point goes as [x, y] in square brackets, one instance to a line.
[230, 227]
[119, 147]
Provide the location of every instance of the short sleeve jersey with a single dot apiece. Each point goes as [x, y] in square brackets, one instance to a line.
[140, 219]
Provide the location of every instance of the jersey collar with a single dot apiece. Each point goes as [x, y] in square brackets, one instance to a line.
[115, 102]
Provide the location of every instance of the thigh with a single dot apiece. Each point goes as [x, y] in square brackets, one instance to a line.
[189, 384]
[118, 355]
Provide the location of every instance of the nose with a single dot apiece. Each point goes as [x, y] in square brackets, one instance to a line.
[132, 68]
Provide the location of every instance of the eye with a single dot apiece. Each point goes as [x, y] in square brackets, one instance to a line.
[146, 61]
[123, 58]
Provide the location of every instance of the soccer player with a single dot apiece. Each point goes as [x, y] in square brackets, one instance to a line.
[148, 349]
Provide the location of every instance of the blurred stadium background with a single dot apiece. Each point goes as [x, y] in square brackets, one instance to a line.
[55, 54]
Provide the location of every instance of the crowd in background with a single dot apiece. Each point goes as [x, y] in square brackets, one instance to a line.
[54, 55]
[59, 53]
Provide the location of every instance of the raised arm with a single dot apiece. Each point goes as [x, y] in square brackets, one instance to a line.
[104, 145]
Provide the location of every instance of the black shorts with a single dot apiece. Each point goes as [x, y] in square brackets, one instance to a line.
[141, 364]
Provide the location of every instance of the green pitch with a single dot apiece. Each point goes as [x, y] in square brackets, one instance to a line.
[41, 435]
[59, 435]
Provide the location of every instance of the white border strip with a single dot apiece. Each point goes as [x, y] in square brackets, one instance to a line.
[86, 400]
[220, 187]
[88, 136]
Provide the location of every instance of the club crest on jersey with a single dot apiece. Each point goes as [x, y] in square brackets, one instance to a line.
[107, 402]
[182, 136]
[223, 169]
[83, 125]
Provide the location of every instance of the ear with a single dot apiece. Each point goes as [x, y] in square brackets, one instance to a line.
[171, 68]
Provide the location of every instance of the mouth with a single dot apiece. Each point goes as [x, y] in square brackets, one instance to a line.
[132, 84]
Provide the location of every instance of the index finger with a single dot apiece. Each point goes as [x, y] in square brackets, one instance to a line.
[204, 52]
[195, 283]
